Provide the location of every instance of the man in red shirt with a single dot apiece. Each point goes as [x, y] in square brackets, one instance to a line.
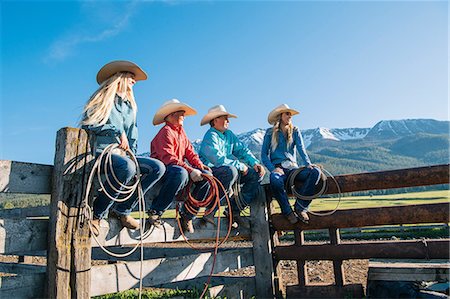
[172, 147]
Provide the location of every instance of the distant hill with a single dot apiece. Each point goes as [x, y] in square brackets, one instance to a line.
[390, 144]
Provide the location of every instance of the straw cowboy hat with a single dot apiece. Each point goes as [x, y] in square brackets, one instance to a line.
[170, 107]
[275, 113]
[117, 66]
[215, 112]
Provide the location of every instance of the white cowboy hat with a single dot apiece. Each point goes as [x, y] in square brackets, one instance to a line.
[215, 112]
[170, 107]
[117, 66]
[274, 114]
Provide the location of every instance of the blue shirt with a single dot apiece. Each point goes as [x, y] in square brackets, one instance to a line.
[220, 149]
[282, 152]
[122, 119]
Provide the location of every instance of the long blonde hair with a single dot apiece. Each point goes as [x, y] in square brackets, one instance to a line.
[98, 108]
[276, 128]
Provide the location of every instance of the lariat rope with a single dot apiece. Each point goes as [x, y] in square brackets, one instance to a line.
[103, 165]
[323, 175]
[209, 202]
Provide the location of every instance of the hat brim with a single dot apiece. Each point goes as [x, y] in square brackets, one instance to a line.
[210, 116]
[273, 116]
[117, 66]
[170, 108]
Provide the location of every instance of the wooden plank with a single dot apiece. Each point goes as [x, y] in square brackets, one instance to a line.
[21, 177]
[262, 248]
[434, 249]
[22, 236]
[21, 268]
[26, 236]
[69, 250]
[123, 276]
[410, 177]
[410, 214]
[25, 212]
[22, 286]
[155, 252]
[112, 233]
[220, 286]
[408, 270]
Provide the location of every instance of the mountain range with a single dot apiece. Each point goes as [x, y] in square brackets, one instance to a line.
[390, 144]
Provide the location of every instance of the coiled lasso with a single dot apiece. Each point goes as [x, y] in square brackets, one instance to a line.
[323, 175]
[103, 166]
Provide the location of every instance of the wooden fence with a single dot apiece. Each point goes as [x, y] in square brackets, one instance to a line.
[64, 238]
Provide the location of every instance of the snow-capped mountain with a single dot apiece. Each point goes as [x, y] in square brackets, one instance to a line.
[400, 128]
[313, 135]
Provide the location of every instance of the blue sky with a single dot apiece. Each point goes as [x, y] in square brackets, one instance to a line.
[342, 64]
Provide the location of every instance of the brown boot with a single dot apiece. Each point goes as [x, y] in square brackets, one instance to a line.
[129, 222]
[154, 218]
[186, 224]
[292, 218]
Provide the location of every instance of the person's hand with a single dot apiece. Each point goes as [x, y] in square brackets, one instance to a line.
[196, 175]
[279, 170]
[310, 166]
[124, 142]
[259, 169]
[204, 167]
[245, 170]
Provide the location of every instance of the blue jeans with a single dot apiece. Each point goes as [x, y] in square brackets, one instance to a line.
[125, 169]
[277, 185]
[173, 181]
[227, 175]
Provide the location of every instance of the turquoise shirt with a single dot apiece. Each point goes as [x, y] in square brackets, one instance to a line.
[283, 152]
[122, 119]
[220, 149]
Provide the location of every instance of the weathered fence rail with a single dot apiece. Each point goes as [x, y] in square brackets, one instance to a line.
[70, 250]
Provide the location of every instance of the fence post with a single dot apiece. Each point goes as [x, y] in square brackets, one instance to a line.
[262, 249]
[302, 270]
[69, 243]
[339, 276]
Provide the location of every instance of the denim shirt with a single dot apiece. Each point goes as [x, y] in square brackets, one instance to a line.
[120, 120]
[220, 149]
[282, 152]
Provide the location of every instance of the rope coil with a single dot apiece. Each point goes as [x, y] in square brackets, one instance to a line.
[104, 162]
[323, 176]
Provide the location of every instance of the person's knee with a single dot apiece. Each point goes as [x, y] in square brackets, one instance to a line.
[253, 175]
[178, 173]
[158, 168]
[124, 169]
[276, 180]
[227, 174]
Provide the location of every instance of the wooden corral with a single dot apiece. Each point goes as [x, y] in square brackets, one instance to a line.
[65, 239]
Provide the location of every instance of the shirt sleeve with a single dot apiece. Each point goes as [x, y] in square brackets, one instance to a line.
[265, 150]
[301, 146]
[215, 155]
[163, 146]
[242, 152]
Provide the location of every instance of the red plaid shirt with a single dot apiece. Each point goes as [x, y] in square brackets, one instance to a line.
[172, 147]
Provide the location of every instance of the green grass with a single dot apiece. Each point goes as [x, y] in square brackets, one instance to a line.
[151, 293]
[358, 202]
